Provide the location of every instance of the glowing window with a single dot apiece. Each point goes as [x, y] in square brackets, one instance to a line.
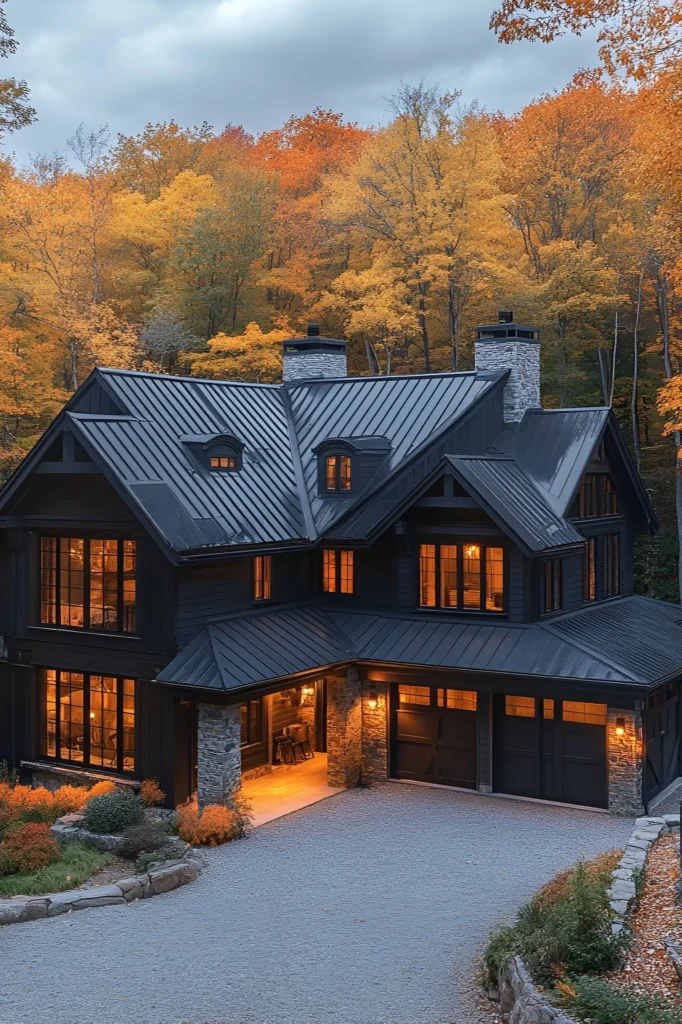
[519, 707]
[494, 579]
[548, 708]
[223, 462]
[589, 574]
[458, 700]
[88, 583]
[337, 473]
[414, 694]
[89, 719]
[427, 575]
[262, 578]
[448, 576]
[590, 714]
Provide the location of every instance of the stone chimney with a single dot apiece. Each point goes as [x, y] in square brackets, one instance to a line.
[516, 347]
[314, 356]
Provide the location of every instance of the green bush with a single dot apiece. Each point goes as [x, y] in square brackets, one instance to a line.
[565, 929]
[112, 813]
[145, 860]
[76, 864]
[600, 1002]
[143, 838]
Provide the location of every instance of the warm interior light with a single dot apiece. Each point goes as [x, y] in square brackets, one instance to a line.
[620, 727]
[307, 690]
[92, 714]
[372, 701]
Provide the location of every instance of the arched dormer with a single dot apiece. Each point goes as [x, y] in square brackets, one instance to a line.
[219, 453]
[345, 464]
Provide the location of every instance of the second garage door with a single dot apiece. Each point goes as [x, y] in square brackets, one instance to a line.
[434, 735]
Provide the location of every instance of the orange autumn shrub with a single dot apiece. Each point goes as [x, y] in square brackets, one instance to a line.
[99, 789]
[28, 849]
[215, 826]
[68, 799]
[151, 793]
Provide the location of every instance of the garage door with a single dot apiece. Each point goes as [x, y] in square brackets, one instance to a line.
[661, 730]
[551, 750]
[434, 735]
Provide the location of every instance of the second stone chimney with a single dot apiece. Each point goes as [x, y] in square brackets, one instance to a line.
[516, 347]
[314, 356]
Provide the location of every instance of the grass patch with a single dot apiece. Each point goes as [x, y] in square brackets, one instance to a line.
[598, 1001]
[75, 865]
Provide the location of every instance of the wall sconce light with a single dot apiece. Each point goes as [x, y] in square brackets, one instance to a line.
[620, 727]
[307, 691]
[372, 700]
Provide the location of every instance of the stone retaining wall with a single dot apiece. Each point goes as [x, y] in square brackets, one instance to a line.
[524, 1003]
[164, 878]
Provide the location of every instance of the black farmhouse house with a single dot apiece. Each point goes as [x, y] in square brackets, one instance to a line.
[431, 572]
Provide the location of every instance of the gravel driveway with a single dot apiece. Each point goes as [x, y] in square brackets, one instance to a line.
[367, 908]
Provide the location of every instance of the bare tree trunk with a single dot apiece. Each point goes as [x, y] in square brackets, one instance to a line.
[603, 374]
[614, 355]
[663, 315]
[423, 327]
[73, 352]
[634, 416]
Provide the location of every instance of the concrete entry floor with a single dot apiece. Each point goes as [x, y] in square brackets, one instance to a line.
[288, 788]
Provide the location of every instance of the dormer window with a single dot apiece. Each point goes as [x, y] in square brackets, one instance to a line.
[219, 453]
[223, 462]
[338, 472]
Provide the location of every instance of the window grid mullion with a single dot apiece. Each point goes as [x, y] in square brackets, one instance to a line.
[481, 599]
[86, 583]
[119, 585]
[119, 724]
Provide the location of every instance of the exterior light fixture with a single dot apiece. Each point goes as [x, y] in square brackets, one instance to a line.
[307, 691]
[620, 727]
[372, 701]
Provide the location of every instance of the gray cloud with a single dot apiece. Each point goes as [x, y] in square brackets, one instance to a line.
[256, 62]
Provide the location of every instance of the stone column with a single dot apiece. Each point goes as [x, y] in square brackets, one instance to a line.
[374, 726]
[219, 761]
[625, 752]
[344, 730]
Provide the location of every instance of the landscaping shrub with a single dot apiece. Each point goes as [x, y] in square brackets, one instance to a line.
[600, 1002]
[28, 849]
[76, 864]
[68, 799]
[143, 838]
[112, 813]
[8, 775]
[151, 793]
[145, 860]
[216, 825]
[100, 789]
[564, 930]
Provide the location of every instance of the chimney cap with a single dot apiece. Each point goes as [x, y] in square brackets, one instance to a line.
[313, 329]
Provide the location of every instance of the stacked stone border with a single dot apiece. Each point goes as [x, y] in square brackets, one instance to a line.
[518, 996]
[164, 878]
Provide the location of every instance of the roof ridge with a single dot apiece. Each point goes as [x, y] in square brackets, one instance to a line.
[550, 627]
[176, 377]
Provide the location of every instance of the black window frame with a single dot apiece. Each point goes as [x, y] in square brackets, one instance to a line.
[87, 540]
[552, 586]
[612, 565]
[224, 451]
[334, 451]
[461, 609]
[85, 764]
[597, 497]
[337, 553]
[590, 570]
[255, 596]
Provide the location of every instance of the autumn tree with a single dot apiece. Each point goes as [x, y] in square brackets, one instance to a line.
[255, 355]
[15, 110]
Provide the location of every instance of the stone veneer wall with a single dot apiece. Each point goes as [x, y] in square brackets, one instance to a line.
[219, 762]
[303, 365]
[522, 390]
[625, 763]
[374, 725]
[344, 730]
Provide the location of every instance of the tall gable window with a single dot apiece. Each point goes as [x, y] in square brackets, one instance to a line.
[467, 577]
[597, 496]
[89, 719]
[612, 564]
[262, 578]
[88, 584]
[589, 571]
[337, 473]
[338, 571]
[553, 589]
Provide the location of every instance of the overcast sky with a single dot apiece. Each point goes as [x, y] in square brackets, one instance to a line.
[255, 62]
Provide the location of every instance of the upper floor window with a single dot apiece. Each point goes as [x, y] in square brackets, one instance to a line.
[338, 571]
[461, 576]
[262, 578]
[589, 571]
[223, 462]
[612, 564]
[88, 583]
[89, 719]
[553, 601]
[337, 472]
[597, 496]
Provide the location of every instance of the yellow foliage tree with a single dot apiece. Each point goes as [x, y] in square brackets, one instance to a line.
[252, 356]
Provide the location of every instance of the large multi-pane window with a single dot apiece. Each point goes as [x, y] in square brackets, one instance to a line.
[338, 571]
[612, 564]
[597, 496]
[88, 584]
[89, 719]
[589, 570]
[262, 578]
[461, 576]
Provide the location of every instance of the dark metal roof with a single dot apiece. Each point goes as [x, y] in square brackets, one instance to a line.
[512, 499]
[555, 446]
[592, 645]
